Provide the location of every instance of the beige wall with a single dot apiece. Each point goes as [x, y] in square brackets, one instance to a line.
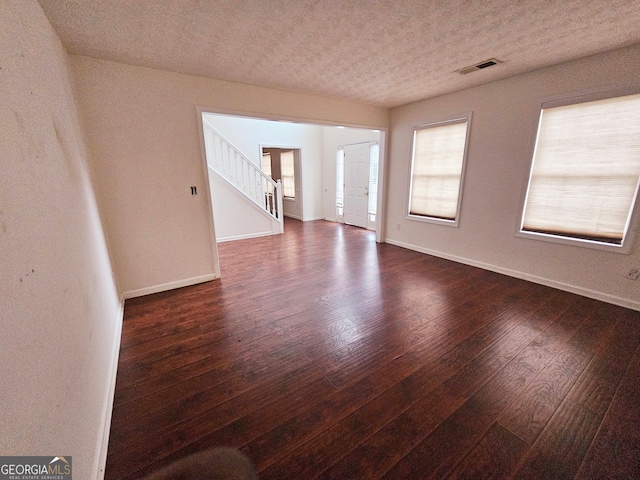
[60, 313]
[142, 129]
[503, 130]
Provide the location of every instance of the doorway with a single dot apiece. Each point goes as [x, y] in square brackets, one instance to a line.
[284, 164]
[316, 177]
[357, 183]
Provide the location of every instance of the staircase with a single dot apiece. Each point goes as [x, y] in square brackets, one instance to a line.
[240, 172]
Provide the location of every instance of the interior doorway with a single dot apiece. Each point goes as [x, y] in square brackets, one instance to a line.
[284, 164]
[315, 171]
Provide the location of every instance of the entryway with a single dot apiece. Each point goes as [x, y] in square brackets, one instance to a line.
[357, 174]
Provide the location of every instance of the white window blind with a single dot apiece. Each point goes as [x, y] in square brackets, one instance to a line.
[585, 170]
[436, 176]
[287, 174]
[374, 154]
[340, 178]
[266, 163]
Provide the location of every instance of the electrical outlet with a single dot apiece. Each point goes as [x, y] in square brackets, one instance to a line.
[633, 273]
[397, 226]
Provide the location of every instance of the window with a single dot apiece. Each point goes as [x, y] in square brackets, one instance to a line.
[266, 168]
[287, 174]
[266, 163]
[437, 168]
[374, 155]
[584, 176]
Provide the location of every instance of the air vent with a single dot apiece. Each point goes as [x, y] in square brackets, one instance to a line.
[479, 66]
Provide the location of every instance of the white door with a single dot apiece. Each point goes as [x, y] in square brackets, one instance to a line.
[356, 184]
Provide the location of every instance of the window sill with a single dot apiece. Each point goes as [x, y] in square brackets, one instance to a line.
[578, 242]
[436, 221]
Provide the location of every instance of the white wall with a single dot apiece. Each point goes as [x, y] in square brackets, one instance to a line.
[503, 130]
[142, 129]
[60, 313]
[235, 216]
[250, 134]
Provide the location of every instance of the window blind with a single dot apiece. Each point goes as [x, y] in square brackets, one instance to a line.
[266, 168]
[585, 170]
[438, 156]
[266, 163]
[287, 173]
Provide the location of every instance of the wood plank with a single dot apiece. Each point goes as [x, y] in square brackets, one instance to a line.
[310, 450]
[531, 411]
[283, 439]
[495, 456]
[559, 450]
[378, 453]
[615, 450]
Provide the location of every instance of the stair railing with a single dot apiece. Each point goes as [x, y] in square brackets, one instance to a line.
[235, 167]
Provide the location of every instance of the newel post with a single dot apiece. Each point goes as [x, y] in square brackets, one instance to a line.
[280, 208]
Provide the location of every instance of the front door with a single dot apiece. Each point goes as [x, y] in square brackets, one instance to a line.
[356, 184]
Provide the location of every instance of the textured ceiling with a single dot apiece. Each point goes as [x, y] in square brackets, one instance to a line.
[384, 53]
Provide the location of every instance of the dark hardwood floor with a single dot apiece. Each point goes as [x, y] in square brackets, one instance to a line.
[322, 354]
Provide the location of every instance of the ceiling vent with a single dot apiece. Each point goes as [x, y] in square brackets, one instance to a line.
[479, 66]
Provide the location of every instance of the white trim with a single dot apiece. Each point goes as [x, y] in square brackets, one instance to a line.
[297, 175]
[169, 286]
[585, 292]
[248, 235]
[108, 406]
[382, 189]
[434, 220]
[588, 95]
[297, 217]
[212, 229]
[582, 242]
[290, 118]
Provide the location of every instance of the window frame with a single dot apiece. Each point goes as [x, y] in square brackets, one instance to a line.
[451, 120]
[339, 167]
[373, 186]
[561, 101]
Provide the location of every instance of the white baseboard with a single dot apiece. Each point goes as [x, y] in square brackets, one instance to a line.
[169, 286]
[585, 292]
[297, 217]
[108, 409]
[248, 235]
